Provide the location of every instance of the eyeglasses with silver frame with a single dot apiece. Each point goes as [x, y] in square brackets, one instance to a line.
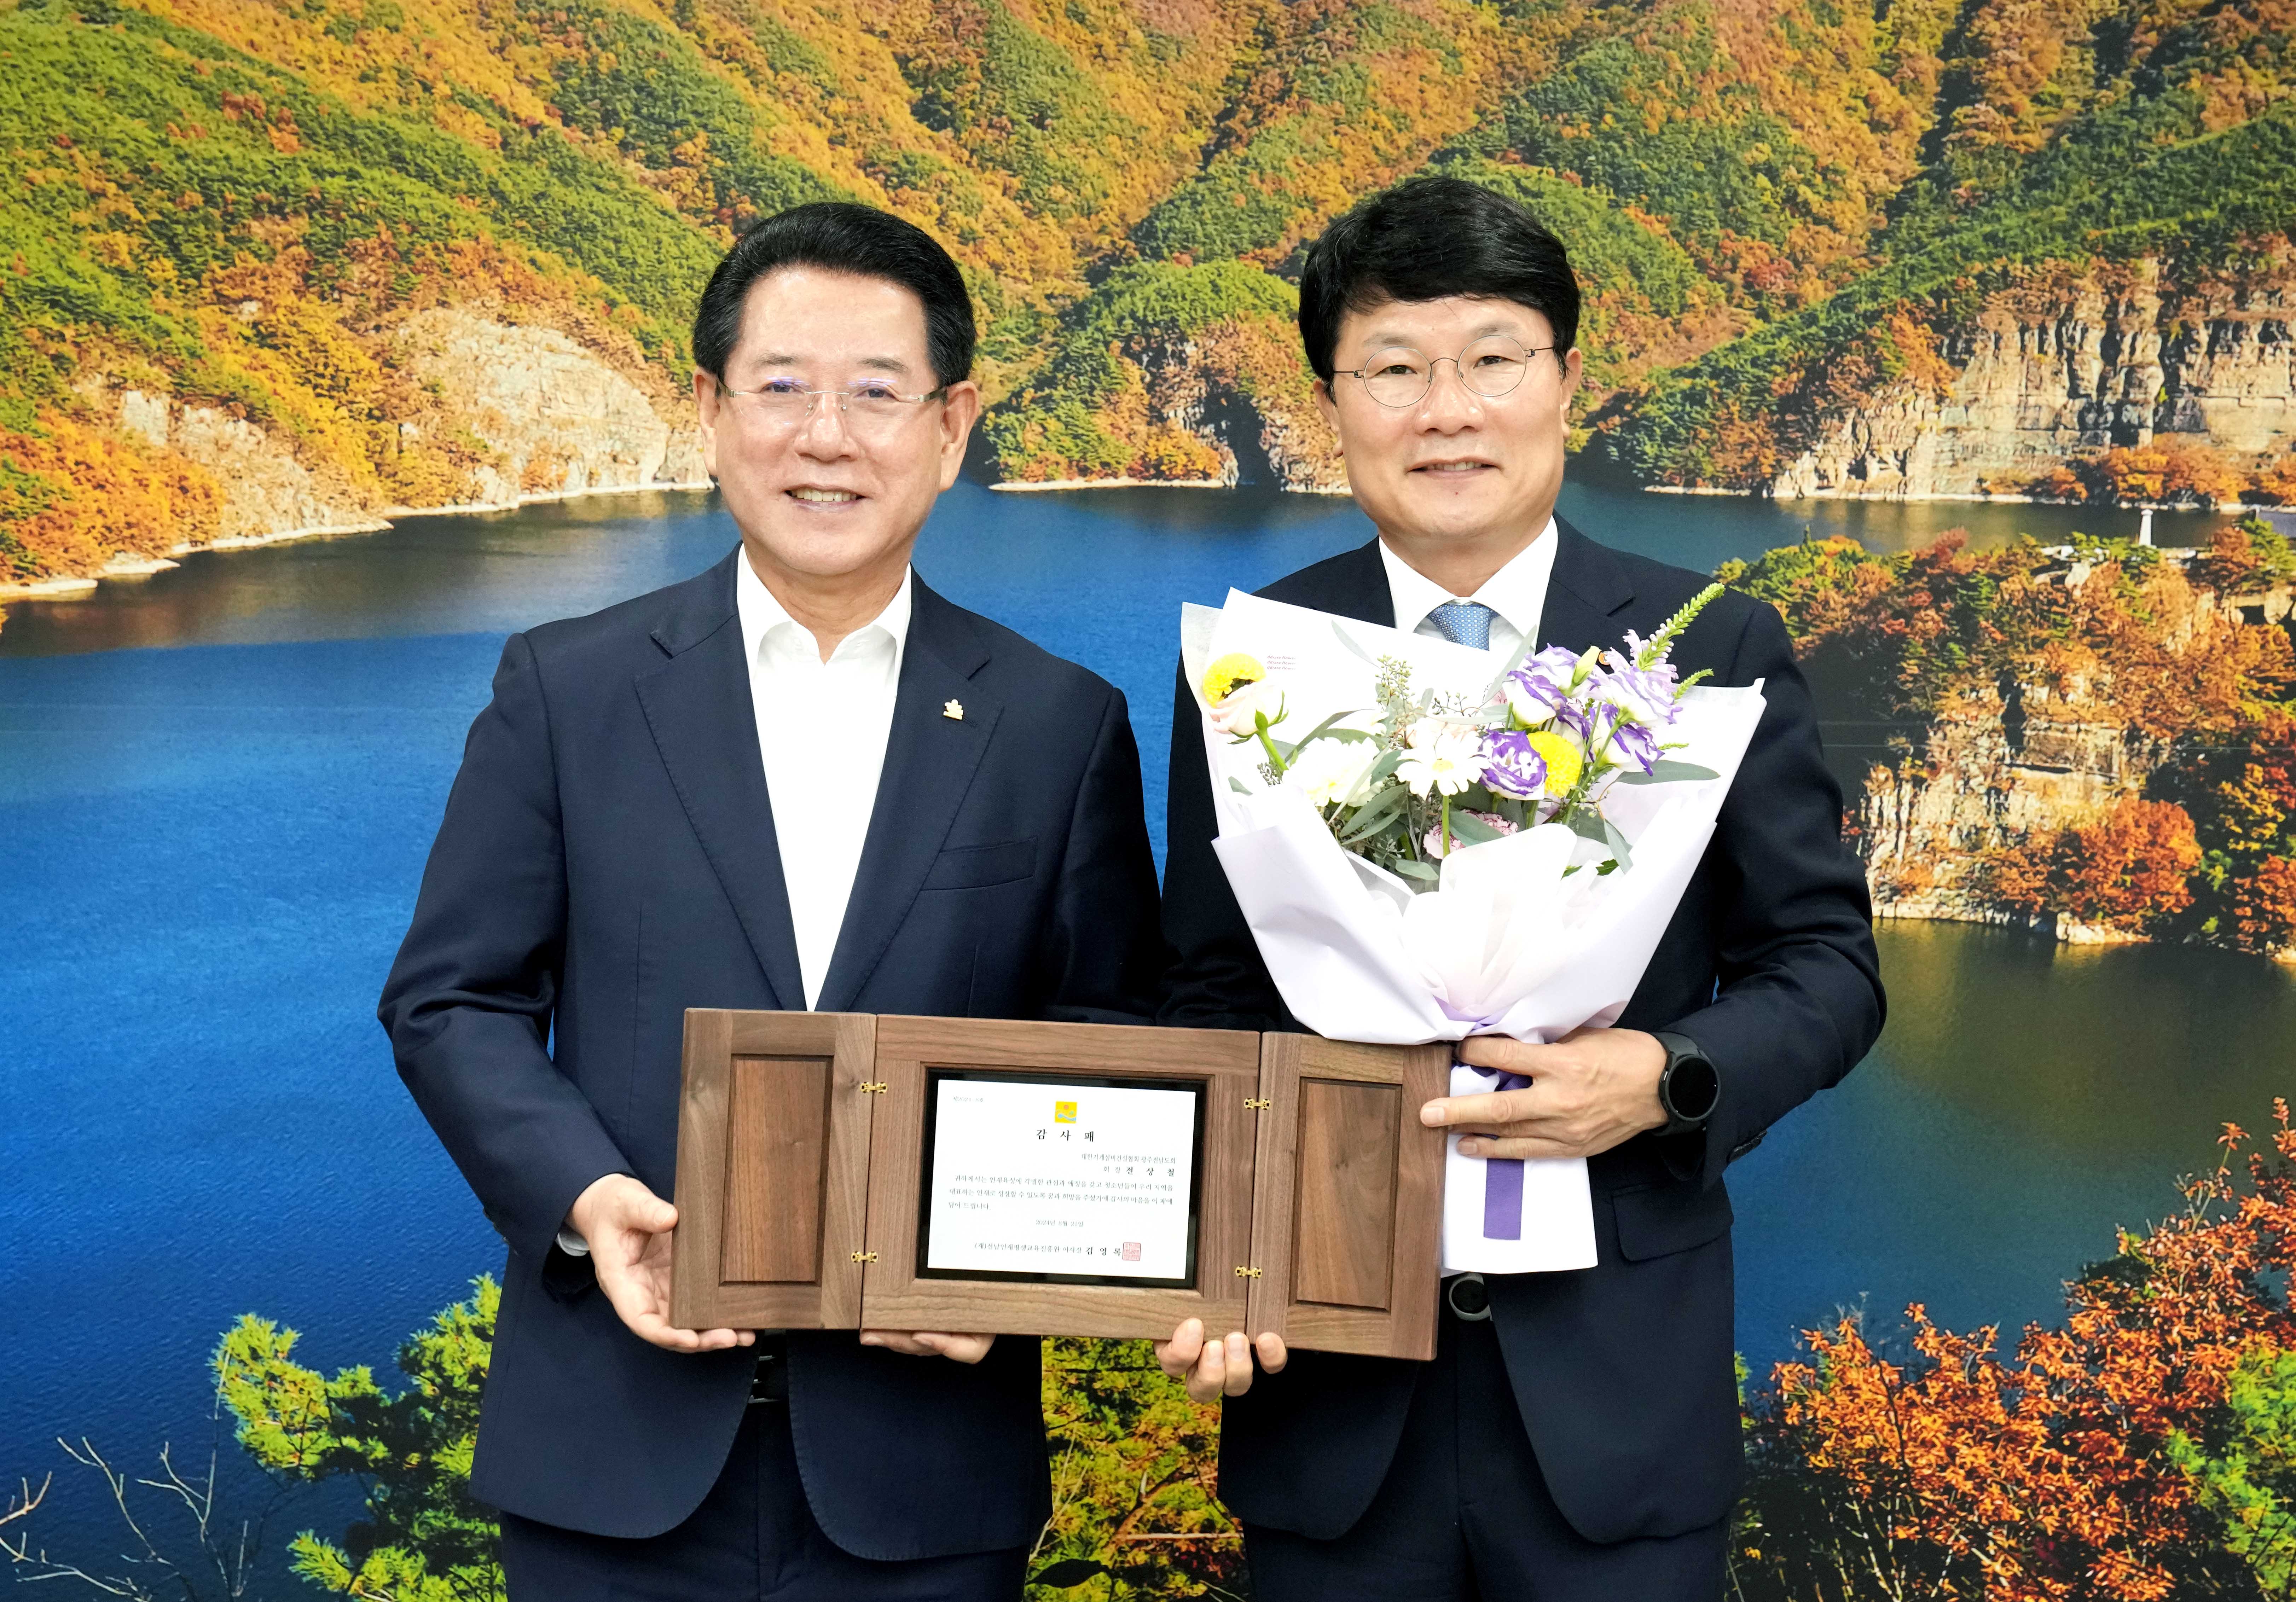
[784, 402]
[1397, 376]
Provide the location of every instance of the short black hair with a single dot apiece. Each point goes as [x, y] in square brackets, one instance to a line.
[840, 237]
[1427, 239]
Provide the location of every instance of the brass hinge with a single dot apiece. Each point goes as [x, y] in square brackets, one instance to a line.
[865, 1257]
[872, 1087]
[1243, 1273]
[1258, 1103]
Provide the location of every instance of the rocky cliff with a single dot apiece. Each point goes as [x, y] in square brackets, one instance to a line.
[1989, 777]
[2053, 375]
[1238, 389]
[507, 412]
[2053, 746]
[554, 418]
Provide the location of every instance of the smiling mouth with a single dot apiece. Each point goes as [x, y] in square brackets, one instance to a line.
[824, 497]
[1454, 468]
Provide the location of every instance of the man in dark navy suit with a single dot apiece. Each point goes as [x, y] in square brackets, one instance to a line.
[801, 780]
[1576, 1438]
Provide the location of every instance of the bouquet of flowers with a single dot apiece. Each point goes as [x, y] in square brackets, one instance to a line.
[1441, 852]
[1542, 743]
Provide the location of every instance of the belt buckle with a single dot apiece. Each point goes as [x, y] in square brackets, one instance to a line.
[1469, 1299]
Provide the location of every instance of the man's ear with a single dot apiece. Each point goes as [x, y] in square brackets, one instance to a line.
[1574, 369]
[1330, 409]
[959, 411]
[706, 402]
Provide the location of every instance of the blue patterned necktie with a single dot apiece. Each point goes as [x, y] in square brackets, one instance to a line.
[1465, 623]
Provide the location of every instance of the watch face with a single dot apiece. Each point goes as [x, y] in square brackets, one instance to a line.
[1691, 1088]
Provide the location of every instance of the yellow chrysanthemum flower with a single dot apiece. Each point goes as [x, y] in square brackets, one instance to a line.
[1230, 674]
[1564, 762]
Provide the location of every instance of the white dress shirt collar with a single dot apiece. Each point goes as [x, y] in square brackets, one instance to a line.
[1517, 592]
[766, 623]
[822, 730]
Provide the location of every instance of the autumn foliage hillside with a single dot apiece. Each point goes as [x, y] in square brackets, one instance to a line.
[1778, 207]
[2107, 736]
[2153, 132]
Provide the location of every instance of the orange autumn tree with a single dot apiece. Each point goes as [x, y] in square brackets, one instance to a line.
[2101, 1461]
[2241, 789]
[2129, 868]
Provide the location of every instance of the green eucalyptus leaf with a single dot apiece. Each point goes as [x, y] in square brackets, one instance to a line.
[1381, 809]
[1470, 829]
[1325, 730]
[1617, 843]
[1664, 772]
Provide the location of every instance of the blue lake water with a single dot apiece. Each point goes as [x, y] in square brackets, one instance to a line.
[217, 786]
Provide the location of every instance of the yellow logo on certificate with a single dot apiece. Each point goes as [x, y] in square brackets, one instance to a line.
[1064, 1111]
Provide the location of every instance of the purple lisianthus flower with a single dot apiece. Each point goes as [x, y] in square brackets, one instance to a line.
[1589, 724]
[1540, 687]
[1632, 746]
[1511, 767]
[1647, 693]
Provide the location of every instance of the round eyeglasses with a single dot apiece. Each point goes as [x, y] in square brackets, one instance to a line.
[1401, 376]
[868, 406]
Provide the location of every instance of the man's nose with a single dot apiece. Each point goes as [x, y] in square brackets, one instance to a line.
[1448, 403]
[823, 430]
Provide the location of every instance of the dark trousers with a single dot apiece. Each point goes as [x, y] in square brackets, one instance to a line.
[753, 1537]
[1465, 1514]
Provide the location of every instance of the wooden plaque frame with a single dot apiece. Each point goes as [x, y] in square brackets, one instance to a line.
[800, 1166]
[1349, 1212]
[773, 1112]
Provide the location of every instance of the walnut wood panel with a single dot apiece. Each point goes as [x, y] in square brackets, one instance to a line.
[764, 1240]
[1316, 1108]
[894, 1297]
[1342, 1250]
[775, 1171]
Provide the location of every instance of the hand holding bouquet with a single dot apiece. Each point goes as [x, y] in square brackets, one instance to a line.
[1442, 851]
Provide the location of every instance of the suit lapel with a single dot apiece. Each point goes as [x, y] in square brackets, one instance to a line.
[1352, 584]
[697, 705]
[1584, 594]
[929, 762]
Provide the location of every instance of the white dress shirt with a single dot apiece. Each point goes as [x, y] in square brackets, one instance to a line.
[822, 727]
[1516, 593]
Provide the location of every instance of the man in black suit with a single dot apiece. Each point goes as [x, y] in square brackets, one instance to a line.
[1577, 1434]
[801, 779]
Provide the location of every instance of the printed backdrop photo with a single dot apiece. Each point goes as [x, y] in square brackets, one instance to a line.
[340, 338]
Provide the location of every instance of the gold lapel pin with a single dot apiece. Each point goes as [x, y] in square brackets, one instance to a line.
[953, 710]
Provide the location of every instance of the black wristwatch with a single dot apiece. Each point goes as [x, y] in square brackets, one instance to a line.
[1688, 1087]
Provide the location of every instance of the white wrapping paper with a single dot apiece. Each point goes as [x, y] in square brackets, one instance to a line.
[1507, 946]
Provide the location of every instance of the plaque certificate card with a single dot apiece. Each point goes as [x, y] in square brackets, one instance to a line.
[1060, 1180]
[846, 1171]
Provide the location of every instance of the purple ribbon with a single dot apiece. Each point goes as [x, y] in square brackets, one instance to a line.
[1503, 1177]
